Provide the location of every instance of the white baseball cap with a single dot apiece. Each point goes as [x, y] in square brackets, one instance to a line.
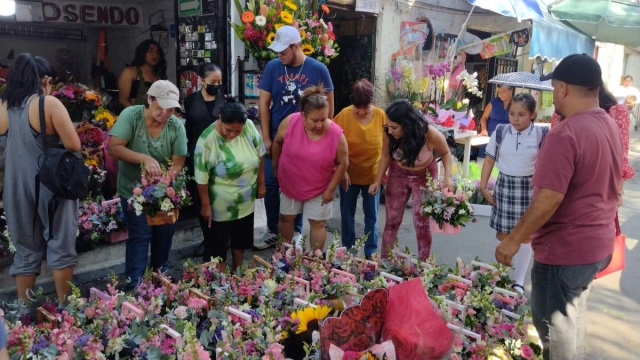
[167, 95]
[285, 36]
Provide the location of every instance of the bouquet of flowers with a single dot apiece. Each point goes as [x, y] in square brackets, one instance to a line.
[103, 119]
[443, 206]
[78, 99]
[6, 246]
[113, 216]
[260, 19]
[409, 80]
[165, 193]
[90, 136]
[91, 225]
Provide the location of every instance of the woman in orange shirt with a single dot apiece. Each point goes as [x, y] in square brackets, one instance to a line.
[363, 127]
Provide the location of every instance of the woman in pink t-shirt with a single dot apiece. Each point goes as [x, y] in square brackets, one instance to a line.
[309, 158]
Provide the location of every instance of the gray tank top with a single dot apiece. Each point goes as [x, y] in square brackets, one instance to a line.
[22, 150]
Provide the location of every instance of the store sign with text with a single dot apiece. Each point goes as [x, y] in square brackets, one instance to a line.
[92, 14]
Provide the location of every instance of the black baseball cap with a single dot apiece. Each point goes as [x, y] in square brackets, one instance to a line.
[577, 69]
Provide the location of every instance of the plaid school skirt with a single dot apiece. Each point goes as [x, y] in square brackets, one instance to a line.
[512, 195]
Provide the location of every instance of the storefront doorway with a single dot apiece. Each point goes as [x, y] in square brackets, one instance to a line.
[355, 33]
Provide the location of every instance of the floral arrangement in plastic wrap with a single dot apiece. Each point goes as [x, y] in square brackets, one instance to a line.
[443, 206]
[454, 111]
[162, 193]
[260, 19]
[409, 79]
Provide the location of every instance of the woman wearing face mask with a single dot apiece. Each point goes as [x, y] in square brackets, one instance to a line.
[20, 132]
[147, 134]
[202, 108]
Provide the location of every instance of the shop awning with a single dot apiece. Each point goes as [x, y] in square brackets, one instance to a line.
[551, 39]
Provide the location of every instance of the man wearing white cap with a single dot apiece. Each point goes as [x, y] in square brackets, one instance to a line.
[281, 86]
[147, 134]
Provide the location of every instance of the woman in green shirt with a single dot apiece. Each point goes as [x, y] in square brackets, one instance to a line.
[229, 170]
[147, 134]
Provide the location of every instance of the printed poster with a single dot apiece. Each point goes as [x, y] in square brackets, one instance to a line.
[495, 46]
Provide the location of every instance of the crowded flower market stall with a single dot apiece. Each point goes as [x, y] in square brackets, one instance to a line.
[291, 303]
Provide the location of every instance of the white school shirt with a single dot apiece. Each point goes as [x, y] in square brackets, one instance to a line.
[518, 151]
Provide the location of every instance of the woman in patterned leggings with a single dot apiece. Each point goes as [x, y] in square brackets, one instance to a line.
[408, 153]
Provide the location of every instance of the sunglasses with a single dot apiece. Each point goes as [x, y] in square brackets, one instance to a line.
[283, 51]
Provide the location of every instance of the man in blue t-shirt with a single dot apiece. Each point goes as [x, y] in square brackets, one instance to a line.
[281, 86]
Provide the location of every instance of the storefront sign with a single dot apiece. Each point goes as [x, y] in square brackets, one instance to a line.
[93, 14]
[495, 46]
[190, 7]
[369, 6]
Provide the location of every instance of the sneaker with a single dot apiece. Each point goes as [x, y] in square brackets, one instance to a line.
[519, 288]
[268, 240]
[298, 241]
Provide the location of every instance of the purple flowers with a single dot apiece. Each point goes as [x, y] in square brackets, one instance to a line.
[438, 70]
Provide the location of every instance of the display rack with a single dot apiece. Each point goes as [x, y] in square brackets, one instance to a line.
[39, 31]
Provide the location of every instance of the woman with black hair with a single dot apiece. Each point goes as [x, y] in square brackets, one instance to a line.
[202, 108]
[408, 153]
[229, 170]
[148, 65]
[29, 78]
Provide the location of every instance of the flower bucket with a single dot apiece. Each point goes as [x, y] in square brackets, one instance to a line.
[163, 218]
[117, 236]
[446, 228]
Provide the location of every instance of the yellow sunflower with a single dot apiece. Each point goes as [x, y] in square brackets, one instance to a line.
[278, 26]
[291, 5]
[270, 37]
[307, 49]
[303, 34]
[309, 314]
[286, 17]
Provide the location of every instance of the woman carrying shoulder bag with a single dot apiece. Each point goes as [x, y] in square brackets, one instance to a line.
[20, 133]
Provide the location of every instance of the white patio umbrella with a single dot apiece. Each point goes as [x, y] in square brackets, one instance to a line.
[522, 79]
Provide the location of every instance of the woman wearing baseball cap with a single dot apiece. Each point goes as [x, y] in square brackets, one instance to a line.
[147, 134]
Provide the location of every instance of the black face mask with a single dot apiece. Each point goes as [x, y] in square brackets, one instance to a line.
[213, 89]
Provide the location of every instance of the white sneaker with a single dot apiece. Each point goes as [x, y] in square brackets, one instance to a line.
[297, 241]
[268, 240]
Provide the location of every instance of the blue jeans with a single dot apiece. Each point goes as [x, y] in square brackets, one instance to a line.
[348, 204]
[141, 236]
[272, 200]
[559, 306]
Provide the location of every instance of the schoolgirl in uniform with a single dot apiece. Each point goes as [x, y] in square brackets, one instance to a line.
[514, 149]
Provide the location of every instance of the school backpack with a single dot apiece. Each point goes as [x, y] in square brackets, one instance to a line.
[61, 171]
[501, 131]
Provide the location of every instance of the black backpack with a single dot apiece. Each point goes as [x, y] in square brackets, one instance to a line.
[61, 171]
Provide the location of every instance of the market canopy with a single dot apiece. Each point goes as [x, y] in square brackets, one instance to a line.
[551, 39]
[519, 9]
[612, 21]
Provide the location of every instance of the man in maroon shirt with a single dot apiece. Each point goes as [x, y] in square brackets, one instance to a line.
[570, 220]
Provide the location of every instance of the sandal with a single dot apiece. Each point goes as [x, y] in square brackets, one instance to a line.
[519, 288]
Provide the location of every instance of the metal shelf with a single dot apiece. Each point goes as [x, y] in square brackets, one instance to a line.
[37, 31]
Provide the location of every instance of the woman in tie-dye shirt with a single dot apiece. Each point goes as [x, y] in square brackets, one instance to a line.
[229, 170]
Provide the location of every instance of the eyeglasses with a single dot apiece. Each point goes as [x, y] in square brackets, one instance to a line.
[284, 51]
[314, 99]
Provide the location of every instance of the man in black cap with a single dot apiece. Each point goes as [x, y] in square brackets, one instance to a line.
[570, 220]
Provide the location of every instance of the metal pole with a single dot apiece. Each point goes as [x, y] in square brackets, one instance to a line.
[464, 26]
